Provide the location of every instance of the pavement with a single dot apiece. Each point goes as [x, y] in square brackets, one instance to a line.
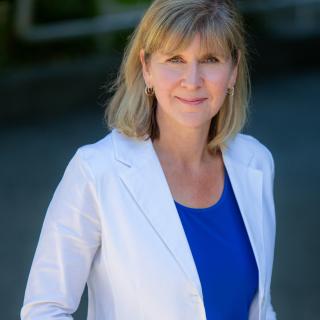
[284, 116]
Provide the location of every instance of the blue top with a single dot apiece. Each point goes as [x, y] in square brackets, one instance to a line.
[223, 256]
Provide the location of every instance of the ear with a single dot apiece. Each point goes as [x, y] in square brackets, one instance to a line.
[234, 71]
[145, 69]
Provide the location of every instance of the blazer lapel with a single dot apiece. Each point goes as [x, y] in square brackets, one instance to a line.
[247, 186]
[143, 176]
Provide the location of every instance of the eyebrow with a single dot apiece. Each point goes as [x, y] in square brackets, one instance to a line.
[203, 56]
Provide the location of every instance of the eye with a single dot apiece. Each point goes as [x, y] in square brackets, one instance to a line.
[175, 59]
[210, 59]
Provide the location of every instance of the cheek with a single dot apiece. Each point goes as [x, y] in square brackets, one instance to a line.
[164, 78]
[217, 78]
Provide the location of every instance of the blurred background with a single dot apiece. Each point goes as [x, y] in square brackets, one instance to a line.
[56, 60]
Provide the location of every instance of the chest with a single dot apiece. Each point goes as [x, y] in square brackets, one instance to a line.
[196, 189]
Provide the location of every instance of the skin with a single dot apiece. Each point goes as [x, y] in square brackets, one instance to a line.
[190, 88]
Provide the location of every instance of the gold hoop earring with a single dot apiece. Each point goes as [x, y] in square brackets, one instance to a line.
[230, 91]
[149, 91]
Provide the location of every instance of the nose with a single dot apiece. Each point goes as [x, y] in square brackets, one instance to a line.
[192, 78]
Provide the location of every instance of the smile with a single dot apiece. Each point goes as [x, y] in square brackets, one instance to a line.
[193, 101]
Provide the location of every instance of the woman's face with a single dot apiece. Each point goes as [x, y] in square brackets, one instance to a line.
[190, 86]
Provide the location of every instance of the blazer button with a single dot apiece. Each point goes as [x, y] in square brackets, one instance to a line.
[195, 297]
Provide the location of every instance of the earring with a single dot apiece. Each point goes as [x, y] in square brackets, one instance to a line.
[230, 91]
[149, 91]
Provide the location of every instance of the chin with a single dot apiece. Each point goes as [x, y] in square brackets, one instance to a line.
[195, 123]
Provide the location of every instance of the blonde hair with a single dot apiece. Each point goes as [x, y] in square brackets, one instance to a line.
[171, 25]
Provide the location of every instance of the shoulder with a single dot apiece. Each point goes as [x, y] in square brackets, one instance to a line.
[100, 157]
[244, 143]
[96, 157]
[100, 148]
[250, 151]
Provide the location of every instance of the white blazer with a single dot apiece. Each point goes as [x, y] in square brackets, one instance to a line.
[113, 224]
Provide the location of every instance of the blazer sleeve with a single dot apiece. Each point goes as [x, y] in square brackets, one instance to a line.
[271, 315]
[69, 239]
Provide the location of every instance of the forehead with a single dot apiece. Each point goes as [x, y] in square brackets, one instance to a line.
[201, 44]
[195, 45]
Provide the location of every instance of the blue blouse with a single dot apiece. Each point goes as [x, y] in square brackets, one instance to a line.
[223, 256]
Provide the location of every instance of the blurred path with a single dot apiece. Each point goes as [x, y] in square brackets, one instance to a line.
[285, 116]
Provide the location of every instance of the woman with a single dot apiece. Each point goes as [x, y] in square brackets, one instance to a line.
[171, 215]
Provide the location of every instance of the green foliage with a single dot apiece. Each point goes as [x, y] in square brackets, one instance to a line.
[4, 29]
[133, 2]
[57, 10]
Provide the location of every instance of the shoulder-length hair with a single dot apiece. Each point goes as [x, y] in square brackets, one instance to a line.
[170, 25]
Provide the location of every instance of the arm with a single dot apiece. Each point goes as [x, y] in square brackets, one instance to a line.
[271, 315]
[68, 242]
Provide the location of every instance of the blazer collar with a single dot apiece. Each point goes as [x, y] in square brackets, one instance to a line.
[142, 174]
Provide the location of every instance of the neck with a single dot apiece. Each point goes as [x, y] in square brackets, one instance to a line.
[181, 145]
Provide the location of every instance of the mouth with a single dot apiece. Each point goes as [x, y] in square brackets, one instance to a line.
[191, 101]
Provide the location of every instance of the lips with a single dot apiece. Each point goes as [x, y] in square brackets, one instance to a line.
[191, 101]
